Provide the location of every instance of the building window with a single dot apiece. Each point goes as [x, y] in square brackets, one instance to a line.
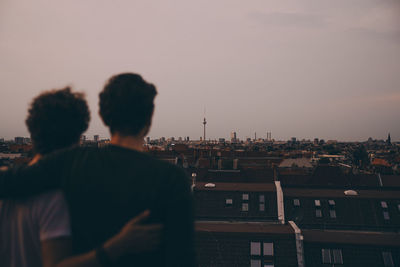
[332, 256]
[261, 198]
[318, 213]
[384, 204]
[255, 263]
[331, 202]
[387, 259]
[386, 215]
[229, 202]
[262, 254]
[296, 202]
[326, 256]
[268, 249]
[337, 256]
[332, 214]
[245, 206]
[255, 248]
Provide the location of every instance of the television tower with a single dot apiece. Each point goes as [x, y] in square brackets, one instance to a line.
[204, 128]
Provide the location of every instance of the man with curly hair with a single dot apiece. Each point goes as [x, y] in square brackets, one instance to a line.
[36, 231]
[104, 187]
[56, 119]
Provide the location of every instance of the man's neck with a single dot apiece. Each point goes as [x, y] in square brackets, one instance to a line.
[130, 142]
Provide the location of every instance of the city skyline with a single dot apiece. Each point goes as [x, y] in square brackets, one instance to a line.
[267, 137]
[302, 69]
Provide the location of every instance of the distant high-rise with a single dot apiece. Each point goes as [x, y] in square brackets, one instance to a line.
[19, 140]
[269, 138]
[233, 137]
[389, 140]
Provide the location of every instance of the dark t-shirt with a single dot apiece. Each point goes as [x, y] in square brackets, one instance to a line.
[105, 187]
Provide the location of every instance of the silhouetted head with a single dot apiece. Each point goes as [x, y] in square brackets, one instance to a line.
[56, 119]
[127, 104]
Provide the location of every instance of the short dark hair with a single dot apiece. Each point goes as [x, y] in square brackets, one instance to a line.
[56, 119]
[127, 103]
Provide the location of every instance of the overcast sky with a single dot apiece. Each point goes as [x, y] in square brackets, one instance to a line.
[320, 68]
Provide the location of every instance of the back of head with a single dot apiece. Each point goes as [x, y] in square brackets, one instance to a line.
[127, 104]
[56, 119]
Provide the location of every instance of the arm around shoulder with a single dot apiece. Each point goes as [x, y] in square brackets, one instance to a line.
[25, 181]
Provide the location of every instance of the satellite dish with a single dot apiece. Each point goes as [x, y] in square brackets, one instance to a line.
[351, 193]
[209, 185]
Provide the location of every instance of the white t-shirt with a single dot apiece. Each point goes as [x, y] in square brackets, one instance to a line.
[24, 223]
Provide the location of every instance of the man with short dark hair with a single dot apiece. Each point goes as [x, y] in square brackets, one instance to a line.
[105, 187]
[127, 105]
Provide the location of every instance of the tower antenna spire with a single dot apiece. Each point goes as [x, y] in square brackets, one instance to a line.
[204, 125]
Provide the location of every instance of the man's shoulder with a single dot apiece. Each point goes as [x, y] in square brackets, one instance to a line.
[165, 166]
[36, 205]
[166, 169]
[50, 212]
[43, 203]
[158, 162]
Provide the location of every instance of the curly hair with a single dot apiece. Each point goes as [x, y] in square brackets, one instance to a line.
[56, 119]
[127, 103]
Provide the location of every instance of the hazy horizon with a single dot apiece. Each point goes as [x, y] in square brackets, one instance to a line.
[305, 69]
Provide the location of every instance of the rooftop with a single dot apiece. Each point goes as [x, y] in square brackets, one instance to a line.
[249, 187]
